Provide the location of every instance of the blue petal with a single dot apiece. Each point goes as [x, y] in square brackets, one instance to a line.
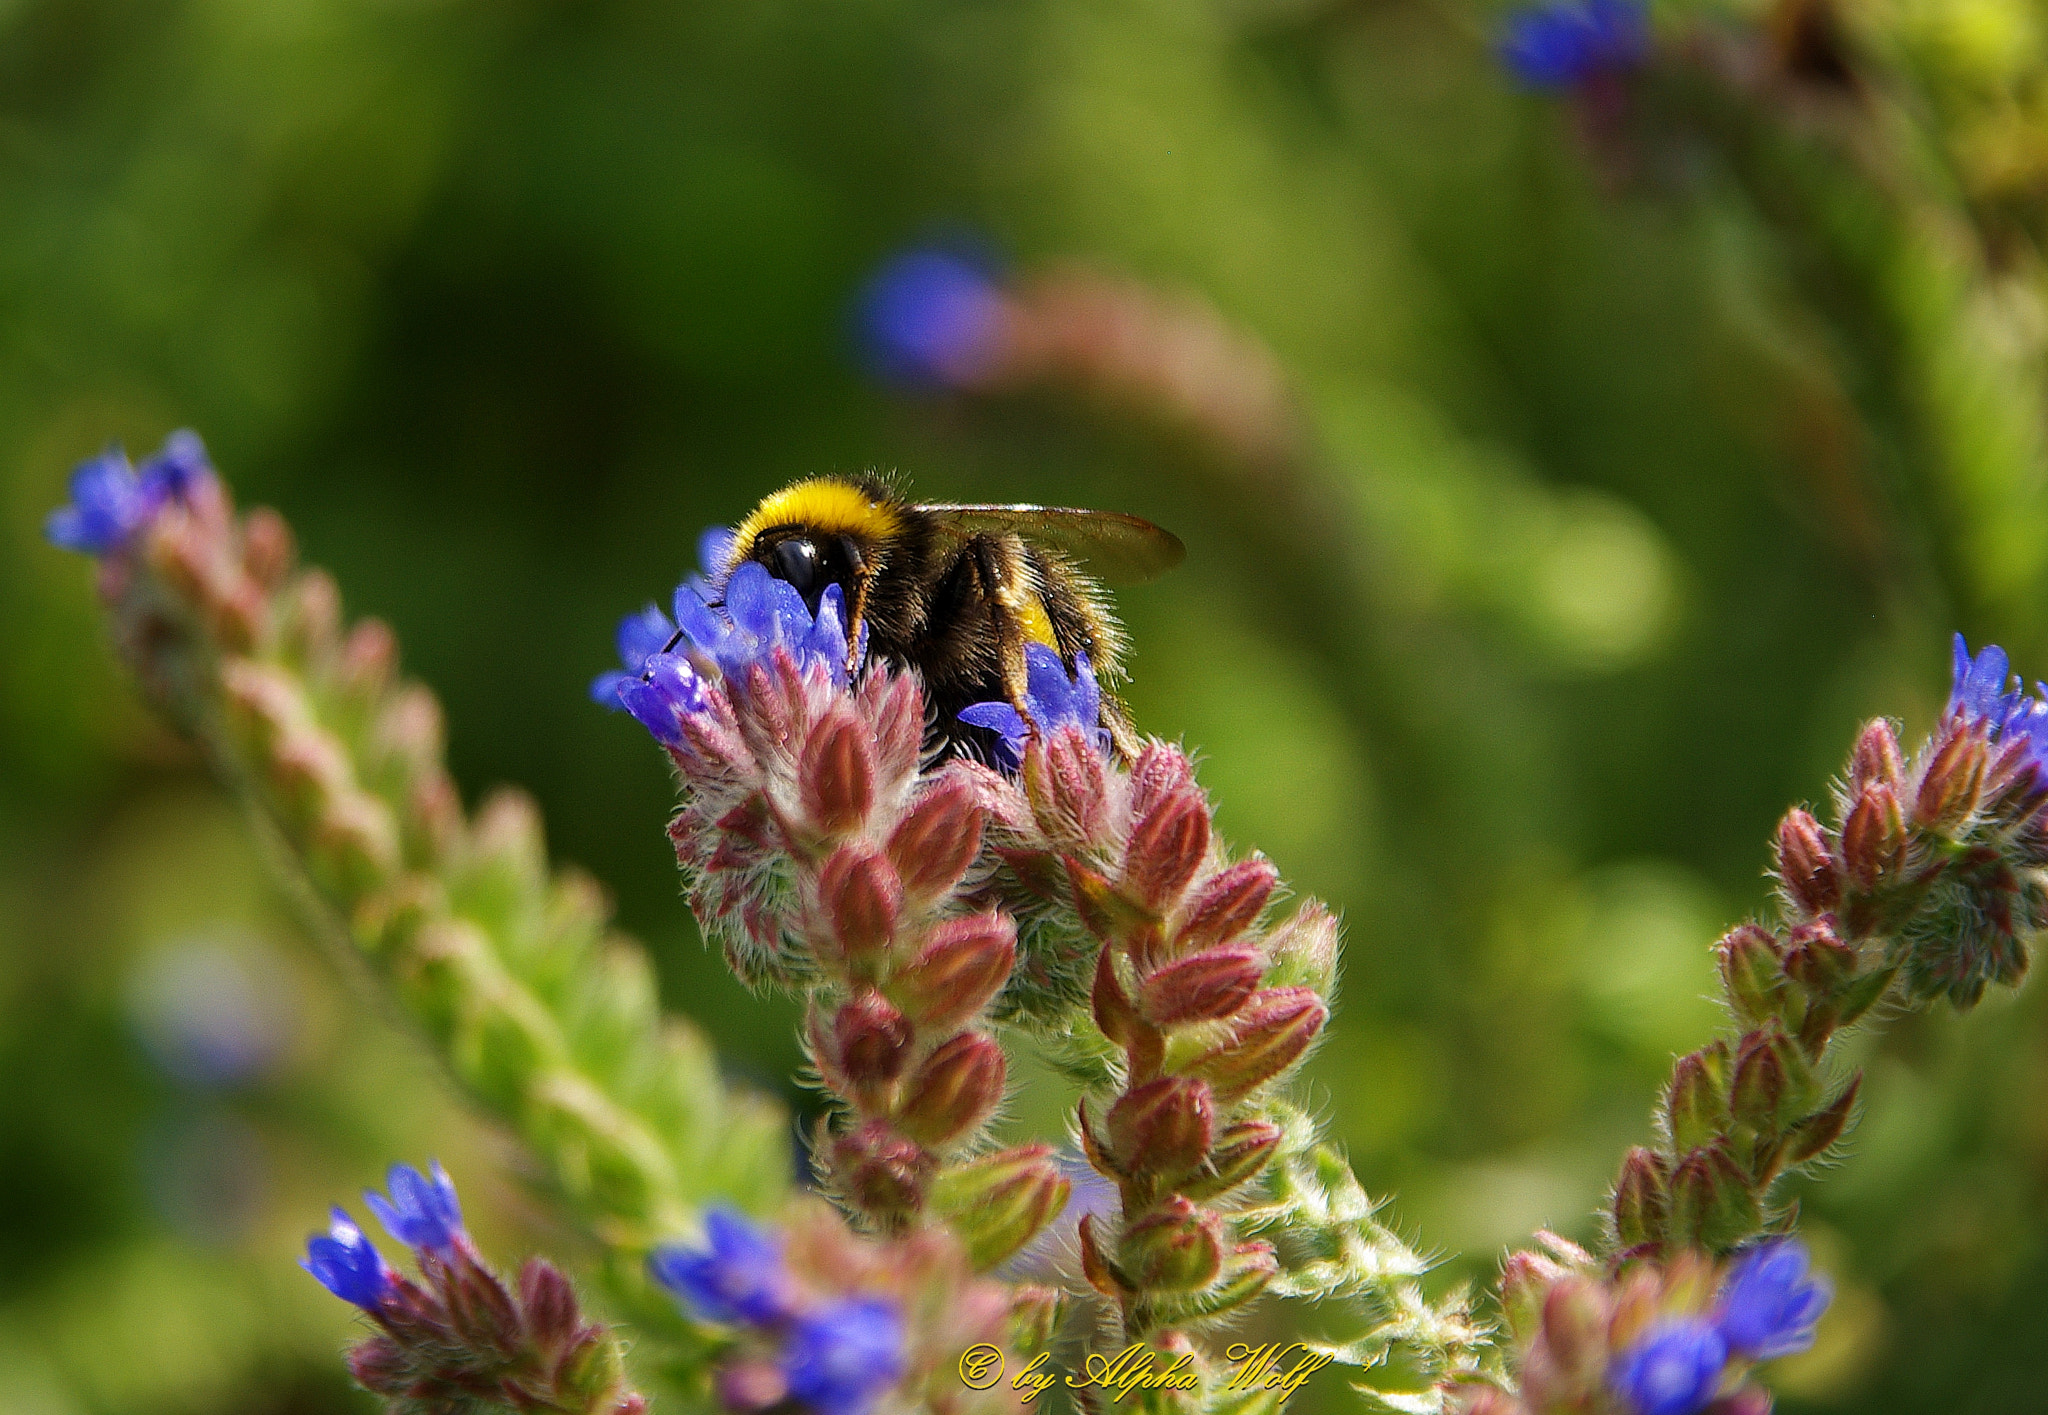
[347, 1264]
[177, 465]
[606, 687]
[740, 1279]
[841, 1357]
[643, 635]
[1048, 688]
[1006, 720]
[714, 549]
[699, 622]
[1672, 1369]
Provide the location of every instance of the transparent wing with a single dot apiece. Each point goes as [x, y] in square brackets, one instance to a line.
[1119, 549]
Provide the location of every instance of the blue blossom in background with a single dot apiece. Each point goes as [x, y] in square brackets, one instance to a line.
[347, 1263]
[739, 1279]
[1671, 1369]
[1770, 1304]
[1055, 701]
[422, 1213]
[1565, 44]
[111, 501]
[929, 318]
[841, 1357]
[210, 1014]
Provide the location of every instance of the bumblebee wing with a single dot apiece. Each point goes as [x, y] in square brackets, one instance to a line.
[1118, 549]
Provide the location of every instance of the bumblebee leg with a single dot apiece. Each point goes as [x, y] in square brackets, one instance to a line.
[1005, 579]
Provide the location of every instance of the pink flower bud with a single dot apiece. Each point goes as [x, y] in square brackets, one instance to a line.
[1874, 836]
[933, 844]
[1271, 1034]
[862, 899]
[1162, 1129]
[1240, 1154]
[1201, 988]
[1575, 1314]
[1160, 771]
[1114, 1012]
[1817, 960]
[1166, 848]
[1696, 1102]
[1177, 1247]
[1954, 777]
[379, 1365]
[369, 655]
[549, 1303]
[1875, 761]
[1227, 904]
[1713, 1205]
[881, 1171]
[1525, 1282]
[1806, 866]
[870, 1041]
[1760, 1084]
[954, 1091]
[1068, 786]
[894, 703]
[1642, 1199]
[268, 549]
[750, 1385]
[836, 774]
[1750, 972]
[964, 965]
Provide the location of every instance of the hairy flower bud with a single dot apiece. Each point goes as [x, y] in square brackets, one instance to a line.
[1114, 1011]
[1712, 1204]
[1806, 866]
[1642, 1199]
[1874, 836]
[1162, 1129]
[1819, 961]
[954, 976]
[1303, 951]
[1525, 1282]
[1876, 759]
[1200, 988]
[1774, 1082]
[1068, 786]
[934, 843]
[1102, 1274]
[953, 1091]
[871, 1040]
[836, 775]
[881, 1171]
[1227, 904]
[1240, 1154]
[1166, 848]
[1160, 771]
[862, 899]
[1177, 1247]
[1696, 1103]
[1035, 1314]
[1270, 1034]
[1575, 1317]
[1750, 972]
[1954, 777]
[999, 1203]
[1812, 1136]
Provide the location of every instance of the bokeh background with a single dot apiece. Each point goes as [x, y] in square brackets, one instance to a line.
[1565, 474]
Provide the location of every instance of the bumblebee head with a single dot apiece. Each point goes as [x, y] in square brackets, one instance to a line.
[825, 531]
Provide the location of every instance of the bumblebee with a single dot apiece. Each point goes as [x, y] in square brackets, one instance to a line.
[957, 591]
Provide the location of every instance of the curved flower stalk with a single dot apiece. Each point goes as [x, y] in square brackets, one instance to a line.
[545, 1015]
[821, 859]
[458, 1340]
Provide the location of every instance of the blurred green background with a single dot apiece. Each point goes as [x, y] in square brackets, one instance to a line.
[1613, 509]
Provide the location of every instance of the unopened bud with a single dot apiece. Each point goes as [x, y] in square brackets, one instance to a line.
[1068, 786]
[1954, 776]
[1575, 1315]
[353, 844]
[1813, 1135]
[1240, 1154]
[1874, 836]
[1200, 988]
[1247, 1271]
[836, 774]
[1712, 1204]
[1035, 1314]
[1270, 1034]
[1167, 847]
[1525, 1282]
[1818, 960]
[999, 1203]
[871, 1040]
[268, 551]
[1750, 972]
[1806, 865]
[549, 1303]
[1227, 904]
[894, 703]
[956, 1088]
[1876, 759]
[312, 618]
[1696, 1104]
[933, 844]
[1747, 1400]
[1160, 771]
[1114, 1012]
[380, 1366]
[1775, 1083]
[1303, 951]
[1162, 1129]
[862, 899]
[953, 977]
[1175, 1248]
[369, 655]
[1642, 1199]
[882, 1172]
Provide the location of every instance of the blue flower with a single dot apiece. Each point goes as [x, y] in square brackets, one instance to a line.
[1985, 690]
[739, 1279]
[929, 318]
[348, 1264]
[110, 502]
[1769, 1305]
[1671, 1369]
[1561, 45]
[1055, 701]
[841, 1357]
[422, 1213]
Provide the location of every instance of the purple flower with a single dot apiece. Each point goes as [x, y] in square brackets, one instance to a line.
[422, 1213]
[1054, 700]
[739, 1279]
[1985, 690]
[841, 1357]
[348, 1264]
[1769, 1305]
[110, 502]
[1562, 45]
[1671, 1369]
[930, 318]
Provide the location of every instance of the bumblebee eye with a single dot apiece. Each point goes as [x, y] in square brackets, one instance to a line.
[796, 560]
